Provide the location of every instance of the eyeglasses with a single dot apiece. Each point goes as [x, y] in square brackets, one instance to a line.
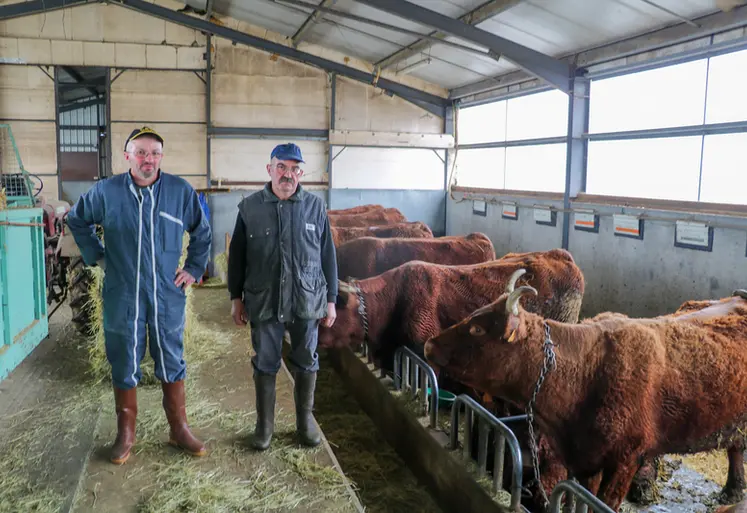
[141, 154]
[282, 168]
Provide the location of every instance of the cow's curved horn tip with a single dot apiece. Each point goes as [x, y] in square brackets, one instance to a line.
[741, 293]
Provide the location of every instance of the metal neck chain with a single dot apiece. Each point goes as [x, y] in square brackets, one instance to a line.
[362, 311]
[549, 363]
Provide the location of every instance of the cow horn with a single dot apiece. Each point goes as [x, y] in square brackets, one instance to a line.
[512, 303]
[513, 279]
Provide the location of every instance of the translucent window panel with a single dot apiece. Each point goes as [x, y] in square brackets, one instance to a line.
[387, 168]
[727, 77]
[537, 115]
[481, 168]
[658, 98]
[536, 168]
[724, 178]
[482, 123]
[667, 168]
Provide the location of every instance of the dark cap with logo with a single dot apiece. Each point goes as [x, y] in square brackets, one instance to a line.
[139, 132]
[288, 151]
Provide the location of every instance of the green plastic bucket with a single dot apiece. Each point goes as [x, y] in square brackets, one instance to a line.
[445, 398]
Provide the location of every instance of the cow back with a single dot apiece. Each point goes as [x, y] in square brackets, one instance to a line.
[366, 219]
[415, 230]
[369, 256]
[355, 210]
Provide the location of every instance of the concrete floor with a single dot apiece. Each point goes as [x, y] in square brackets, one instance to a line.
[57, 426]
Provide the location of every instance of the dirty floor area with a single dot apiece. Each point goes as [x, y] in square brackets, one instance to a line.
[58, 424]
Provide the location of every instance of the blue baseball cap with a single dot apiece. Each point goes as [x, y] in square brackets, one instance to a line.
[288, 151]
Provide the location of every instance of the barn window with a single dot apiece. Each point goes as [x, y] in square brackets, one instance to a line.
[727, 76]
[724, 179]
[659, 98]
[534, 164]
[639, 148]
[666, 168]
[482, 123]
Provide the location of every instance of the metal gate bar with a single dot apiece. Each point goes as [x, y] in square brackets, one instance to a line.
[584, 498]
[413, 364]
[503, 435]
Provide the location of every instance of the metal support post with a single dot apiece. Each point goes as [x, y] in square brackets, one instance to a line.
[577, 150]
[332, 115]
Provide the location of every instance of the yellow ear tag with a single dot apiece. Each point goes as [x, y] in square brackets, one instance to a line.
[512, 337]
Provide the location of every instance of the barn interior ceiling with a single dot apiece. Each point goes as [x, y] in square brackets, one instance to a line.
[465, 46]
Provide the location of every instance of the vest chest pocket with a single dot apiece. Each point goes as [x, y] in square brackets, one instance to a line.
[262, 254]
[172, 231]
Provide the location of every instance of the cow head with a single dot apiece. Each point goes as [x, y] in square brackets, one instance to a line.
[347, 331]
[482, 348]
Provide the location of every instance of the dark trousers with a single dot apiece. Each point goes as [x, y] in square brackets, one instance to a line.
[267, 341]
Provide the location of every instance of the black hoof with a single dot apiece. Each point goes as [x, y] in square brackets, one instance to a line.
[730, 496]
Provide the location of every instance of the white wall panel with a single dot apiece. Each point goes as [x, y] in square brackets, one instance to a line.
[387, 168]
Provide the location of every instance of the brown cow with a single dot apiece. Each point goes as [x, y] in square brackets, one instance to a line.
[377, 217]
[414, 230]
[623, 390]
[413, 302]
[355, 210]
[368, 256]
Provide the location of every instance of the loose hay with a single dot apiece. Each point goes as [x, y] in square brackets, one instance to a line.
[26, 483]
[200, 343]
[3, 199]
[383, 481]
[183, 486]
[714, 465]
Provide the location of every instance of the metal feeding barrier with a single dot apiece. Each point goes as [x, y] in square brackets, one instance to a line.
[404, 357]
[584, 498]
[503, 435]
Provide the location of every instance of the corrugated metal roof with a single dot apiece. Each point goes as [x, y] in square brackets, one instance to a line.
[554, 27]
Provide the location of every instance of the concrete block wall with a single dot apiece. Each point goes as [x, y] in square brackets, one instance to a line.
[250, 88]
[640, 278]
[27, 104]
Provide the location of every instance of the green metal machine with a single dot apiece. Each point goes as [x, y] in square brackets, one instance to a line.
[23, 284]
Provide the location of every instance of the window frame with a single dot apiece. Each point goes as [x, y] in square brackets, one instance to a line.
[701, 130]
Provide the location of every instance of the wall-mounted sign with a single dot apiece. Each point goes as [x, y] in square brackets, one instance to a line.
[691, 235]
[544, 215]
[509, 211]
[479, 208]
[628, 226]
[586, 220]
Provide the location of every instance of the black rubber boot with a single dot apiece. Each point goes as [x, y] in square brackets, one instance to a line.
[264, 387]
[303, 394]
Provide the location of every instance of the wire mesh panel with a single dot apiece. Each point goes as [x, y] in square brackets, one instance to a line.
[15, 185]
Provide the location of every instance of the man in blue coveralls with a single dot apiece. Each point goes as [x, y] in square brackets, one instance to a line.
[282, 274]
[144, 214]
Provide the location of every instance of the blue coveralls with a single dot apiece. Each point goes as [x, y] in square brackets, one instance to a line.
[143, 230]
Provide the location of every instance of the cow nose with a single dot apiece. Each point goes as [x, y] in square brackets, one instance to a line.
[436, 354]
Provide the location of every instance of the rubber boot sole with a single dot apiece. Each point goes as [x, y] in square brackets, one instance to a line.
[176, 444]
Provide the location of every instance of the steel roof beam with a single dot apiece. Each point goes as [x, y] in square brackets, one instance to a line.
[557, 73]
[676, 34]
[19, 9]
[406, 92]
[310, 21]
[474, 17]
